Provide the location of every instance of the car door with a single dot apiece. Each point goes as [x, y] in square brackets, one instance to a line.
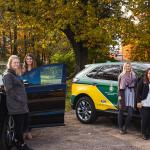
[108, 84]
[46, 90]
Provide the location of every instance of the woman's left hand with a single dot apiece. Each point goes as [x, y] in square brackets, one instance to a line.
[139, 105]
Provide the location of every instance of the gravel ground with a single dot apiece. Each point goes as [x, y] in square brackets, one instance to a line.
[102, 135]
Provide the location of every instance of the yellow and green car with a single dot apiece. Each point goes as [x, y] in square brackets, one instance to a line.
[95, 89]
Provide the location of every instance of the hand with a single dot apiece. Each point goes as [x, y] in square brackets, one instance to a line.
[119, 98]
[139, 105]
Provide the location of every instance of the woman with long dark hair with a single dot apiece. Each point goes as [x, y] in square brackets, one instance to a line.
[143, 103]
[126, 87]
[16, 100]
[28, 64]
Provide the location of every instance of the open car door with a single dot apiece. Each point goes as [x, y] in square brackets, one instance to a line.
[46, 90]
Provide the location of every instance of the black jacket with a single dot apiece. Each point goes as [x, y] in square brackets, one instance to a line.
[142, 90]
[16, 98]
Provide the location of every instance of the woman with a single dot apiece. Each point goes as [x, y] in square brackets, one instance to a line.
[16, 100]
[126, 85]
[28, 65]
[143, 103]
[29, 62]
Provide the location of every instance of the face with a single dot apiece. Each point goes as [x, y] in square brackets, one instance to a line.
[148, 75]
[128, 67]
[15, 64]
[29, 60]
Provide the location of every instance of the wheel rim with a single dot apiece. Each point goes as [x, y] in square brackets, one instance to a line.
[10, 133]
[84, 110]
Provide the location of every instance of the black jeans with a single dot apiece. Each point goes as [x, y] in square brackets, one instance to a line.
[145, 122]
[26, 123]
[123, 124]
[21, 124]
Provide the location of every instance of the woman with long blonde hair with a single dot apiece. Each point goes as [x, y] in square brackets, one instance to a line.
[16, 100]
[126, 96]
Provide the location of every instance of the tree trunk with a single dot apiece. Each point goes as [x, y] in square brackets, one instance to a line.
[10, 36]
[15, 52]
[3, 44]
[81, 53]
[33, 43]
[25, 44]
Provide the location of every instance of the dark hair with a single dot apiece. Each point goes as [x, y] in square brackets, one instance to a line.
[34, 65]
[146, 80]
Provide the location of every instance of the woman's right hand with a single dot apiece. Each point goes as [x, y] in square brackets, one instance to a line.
[139, 105]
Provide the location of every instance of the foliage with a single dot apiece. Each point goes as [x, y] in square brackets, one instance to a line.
[66, 58]
[84, 29]
[139, 35]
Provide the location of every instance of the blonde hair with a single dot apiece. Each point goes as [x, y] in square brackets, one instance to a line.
[124, 69]
[10, 59]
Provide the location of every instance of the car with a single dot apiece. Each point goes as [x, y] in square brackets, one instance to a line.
[46, 91]
[95, 89]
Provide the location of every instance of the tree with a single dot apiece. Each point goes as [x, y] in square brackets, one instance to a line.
[86, 23]
[88, 27]
[139, 31]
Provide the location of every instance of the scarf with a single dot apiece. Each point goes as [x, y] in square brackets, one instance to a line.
[127, 80]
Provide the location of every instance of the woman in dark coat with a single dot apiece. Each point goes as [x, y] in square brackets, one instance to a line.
[16, 99]
[143, 103]
[126, 85]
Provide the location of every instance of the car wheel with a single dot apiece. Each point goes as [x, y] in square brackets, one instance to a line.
[7, 136]
[85, 110]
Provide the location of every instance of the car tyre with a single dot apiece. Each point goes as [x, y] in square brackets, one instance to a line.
[85, 110]
[7, 134]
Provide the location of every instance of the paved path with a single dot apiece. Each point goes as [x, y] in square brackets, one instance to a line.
[103, 135]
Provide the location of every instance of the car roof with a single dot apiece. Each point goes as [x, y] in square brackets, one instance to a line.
[89, 67]
[140, 64]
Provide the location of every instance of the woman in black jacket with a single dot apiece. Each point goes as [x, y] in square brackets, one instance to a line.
[16, 99]
[143, 103]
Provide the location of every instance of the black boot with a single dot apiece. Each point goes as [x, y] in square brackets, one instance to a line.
[24, 147]
[145, 136]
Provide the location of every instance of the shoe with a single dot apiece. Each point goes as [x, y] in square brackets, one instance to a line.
[24, 136]
[123, 132]
[145, 137]
[24, 147]
[29, 136]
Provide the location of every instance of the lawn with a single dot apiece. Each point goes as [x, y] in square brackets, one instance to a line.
[68, 106]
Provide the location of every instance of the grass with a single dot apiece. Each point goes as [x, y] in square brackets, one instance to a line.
[68, 106]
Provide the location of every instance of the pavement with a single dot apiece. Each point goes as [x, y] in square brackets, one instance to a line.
[102, 135]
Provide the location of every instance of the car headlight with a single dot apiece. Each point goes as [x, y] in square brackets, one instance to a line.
[75, 80]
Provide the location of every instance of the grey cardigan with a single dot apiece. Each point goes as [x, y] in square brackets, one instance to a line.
[16, 97]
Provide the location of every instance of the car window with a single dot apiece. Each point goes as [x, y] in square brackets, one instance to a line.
[92, 73]
[50, 74]
[139, 71]
[109, 72]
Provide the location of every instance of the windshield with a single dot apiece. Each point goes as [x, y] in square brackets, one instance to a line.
[2, 68]
[1, 80]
